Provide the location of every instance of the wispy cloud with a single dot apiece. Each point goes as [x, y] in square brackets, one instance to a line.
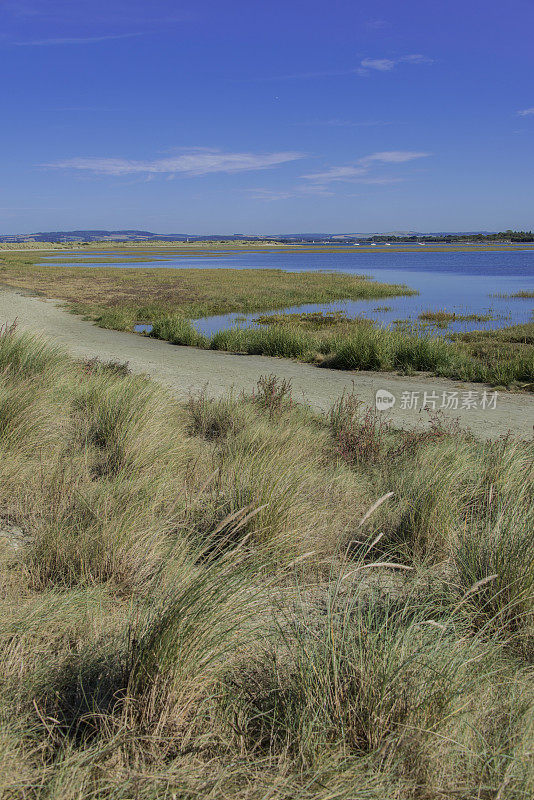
[359, 171]
[387, 64]
[380, 64]
[336, 174]
[315, 189]
[393, 156]
[385, 181]
[296, 191]
[526, 112]
[75, 40]
[340, 123]
[416, 58]
[365, 67]
[117, 12]
[377, 24]
[194, 162]
[326, 73]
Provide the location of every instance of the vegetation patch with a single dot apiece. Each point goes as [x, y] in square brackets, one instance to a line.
[523, 295]
[313, 320]
[442, 318]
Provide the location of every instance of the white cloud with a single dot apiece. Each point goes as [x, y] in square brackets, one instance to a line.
[195, 162]
[317, 189]
[526, 112]
[387, 64]
[75, 40]
[365, 67]
[376, 24]
[380, 181]
[380, 64]
[416, 58]
[330, 73]
[393, 157]
[359, 171]
[341, 123]
[297, 191]
[336, 174]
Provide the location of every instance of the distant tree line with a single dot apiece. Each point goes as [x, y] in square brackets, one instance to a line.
[502, 236]
[506, 236]
[513, 236]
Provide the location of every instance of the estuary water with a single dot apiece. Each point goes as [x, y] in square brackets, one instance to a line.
[463, 282]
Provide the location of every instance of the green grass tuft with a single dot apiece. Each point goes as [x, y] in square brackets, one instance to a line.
[176, 329]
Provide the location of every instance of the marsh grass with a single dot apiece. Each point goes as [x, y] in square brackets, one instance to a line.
[442, 318]
[117, 297]
[177, 330]
[314, 320]
[237, 598]
[21, 355]
[273, 341]
[215, 419]
[273, 395]
[523, 295]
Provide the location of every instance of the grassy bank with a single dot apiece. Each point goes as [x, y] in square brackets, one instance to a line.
[239, 599]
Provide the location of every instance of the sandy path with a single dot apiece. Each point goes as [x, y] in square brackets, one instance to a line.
[186, 369]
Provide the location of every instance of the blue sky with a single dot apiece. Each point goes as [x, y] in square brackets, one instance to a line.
[248, 116]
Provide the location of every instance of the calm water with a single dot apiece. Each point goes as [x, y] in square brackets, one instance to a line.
[462, 282]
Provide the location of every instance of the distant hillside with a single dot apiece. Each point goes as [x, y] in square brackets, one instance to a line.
[116, 236]
[334, 238]
[81, 235]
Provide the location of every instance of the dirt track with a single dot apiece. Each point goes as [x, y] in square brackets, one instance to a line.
[186, 369]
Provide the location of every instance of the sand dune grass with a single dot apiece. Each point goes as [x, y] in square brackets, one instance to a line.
[236, 598]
